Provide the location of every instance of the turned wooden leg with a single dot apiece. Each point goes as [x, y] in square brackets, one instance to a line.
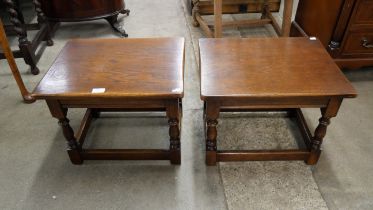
[195, 12]
[327, 113]
[24, 44]
[20, 14]
[73, 148]
[212, 114]
[174, 118]
[43, 20]
[113, 21]
[286, 19]
[218, 31]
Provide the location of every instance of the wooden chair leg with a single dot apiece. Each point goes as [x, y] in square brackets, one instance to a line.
[218, 4]
[286, 19]
[13, 66]
[195, 12]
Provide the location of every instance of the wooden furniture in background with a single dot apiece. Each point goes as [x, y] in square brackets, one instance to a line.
[85, 10]
[291, 73]
[136, 74]
[345, 27]
[13, 66]
[221, 6]
[206, 7]
[27, 49]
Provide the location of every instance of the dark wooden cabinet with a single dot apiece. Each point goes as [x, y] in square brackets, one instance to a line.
[83, 10]
[345, 27]
[78, 10]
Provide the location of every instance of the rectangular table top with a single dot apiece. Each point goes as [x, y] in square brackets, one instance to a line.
[116, 68]
[269, 67]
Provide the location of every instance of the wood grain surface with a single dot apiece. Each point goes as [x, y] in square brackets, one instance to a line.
[265, 67]
[124, 67]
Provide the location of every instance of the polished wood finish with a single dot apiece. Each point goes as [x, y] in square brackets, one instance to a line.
[143, 75]
[115, 64]
[13, 66]
[346, 32]
[85, 10]
[215, 30]
[27, 49]
[291, 73]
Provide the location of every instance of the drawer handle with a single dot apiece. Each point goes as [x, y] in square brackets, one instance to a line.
[366, 44]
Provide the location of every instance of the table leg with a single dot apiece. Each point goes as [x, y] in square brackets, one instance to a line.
[27, 98]
[286, 19]
[174, 118]
[73, 148]
[113, 21]
[212, 114]
[24, 44]
[327, 113]
[195, 12]
[218, 4]
[264, 10]
[42, 19]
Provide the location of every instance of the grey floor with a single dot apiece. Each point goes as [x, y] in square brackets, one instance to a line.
[35, 172]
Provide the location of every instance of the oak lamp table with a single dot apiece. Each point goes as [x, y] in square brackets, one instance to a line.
[116, 75]
[269, 73]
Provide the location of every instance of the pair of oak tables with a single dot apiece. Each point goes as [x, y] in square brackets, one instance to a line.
[103, 75]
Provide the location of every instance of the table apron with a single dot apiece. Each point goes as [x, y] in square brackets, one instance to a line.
[269, 103]
[124, 104]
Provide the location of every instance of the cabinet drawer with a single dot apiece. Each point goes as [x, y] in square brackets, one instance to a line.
[359, 43]
[364, 12]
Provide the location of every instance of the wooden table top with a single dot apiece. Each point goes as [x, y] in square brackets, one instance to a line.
[269, 67]
[124, 67]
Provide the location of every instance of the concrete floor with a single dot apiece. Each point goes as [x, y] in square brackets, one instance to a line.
[35, 172]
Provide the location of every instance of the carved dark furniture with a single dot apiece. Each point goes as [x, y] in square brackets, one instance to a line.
[299, 74]
[27, 49]
[221, 6]
[13, 66]
[144, 75]
[85, 10]
[345, 27]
